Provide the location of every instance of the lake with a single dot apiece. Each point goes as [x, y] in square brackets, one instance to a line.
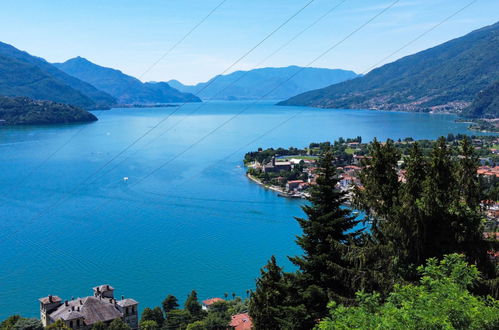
[195, 222]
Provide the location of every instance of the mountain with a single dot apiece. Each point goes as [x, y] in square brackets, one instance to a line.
[255, 84]
[443, 78]
[25, 111]
[485, 104]
[22, 74]
[126, 89]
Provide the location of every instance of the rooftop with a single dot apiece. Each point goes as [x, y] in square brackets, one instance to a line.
[211, 301]
[241, 322]
[91, 309]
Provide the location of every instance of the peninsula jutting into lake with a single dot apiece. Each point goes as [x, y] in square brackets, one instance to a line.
[249, 165]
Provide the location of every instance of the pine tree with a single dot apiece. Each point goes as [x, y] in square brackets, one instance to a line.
[170, 303]
[327, 235]
[193, 306]
[267, 301]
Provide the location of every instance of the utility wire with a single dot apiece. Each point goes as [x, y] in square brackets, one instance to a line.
[296, 114]
[226, 87]
[155, 170]
[73, 136]
[421, 35]
[54, 205]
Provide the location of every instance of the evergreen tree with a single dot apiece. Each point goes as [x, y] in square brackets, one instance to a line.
[265, 307]
[118, 324]
[193, 306]
[177, 319]
[155, 314]
[99, 326]
[170, 303]
[327, 236]
[435, 212]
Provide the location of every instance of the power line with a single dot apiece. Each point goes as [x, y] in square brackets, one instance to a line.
[421, 35]
[272, 90]
[232, 83]
[296, 114]
[68, 195]
[172, 48]
[73, 136]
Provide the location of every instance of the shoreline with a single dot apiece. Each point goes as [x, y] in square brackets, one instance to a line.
[280, 192]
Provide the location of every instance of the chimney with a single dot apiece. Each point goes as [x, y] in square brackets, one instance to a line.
[66, 303]
[50, 298]
[107, 287]
[72, 308]
[122, 297]
[78, 308]
[81, 302]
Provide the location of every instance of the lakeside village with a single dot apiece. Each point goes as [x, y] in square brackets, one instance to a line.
[291, 172]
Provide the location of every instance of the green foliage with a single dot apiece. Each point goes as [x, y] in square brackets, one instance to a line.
[99, 326]
[440, 301]
[16, 322]
[193, 306]
[273, 304]
[148, 325]
[9, 322]
[486, 103]
[155, 314]
[327, 235]
[198, 325]
[435, 212]
[60, 325]
[118, 324]
[170, 303]
[177, 319]
[449, 76]
[24, 111]
[218, 316]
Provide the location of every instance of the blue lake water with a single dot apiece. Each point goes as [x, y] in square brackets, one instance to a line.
[195, 223]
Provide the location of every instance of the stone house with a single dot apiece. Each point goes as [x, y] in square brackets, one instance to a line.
[83, 313]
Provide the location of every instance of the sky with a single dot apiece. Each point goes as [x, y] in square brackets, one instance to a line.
[132, 35]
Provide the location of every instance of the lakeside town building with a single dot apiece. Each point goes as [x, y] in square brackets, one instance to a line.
[83, 313]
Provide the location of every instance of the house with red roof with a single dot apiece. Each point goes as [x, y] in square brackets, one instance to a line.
[241, 322]
[208, 302]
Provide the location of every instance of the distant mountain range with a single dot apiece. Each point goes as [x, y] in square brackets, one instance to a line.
[126, 89]
[255, 84]
[443, 78]
[25, 111]
[22, 74]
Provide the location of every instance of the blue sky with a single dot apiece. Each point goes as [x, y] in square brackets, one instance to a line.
[131, 35]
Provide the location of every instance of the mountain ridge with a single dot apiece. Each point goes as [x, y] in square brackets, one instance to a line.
[125, 88]
[256, 83]
[446, 77]
[22, 74]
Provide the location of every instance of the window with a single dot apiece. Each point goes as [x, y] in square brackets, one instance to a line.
[77, 323]
[70, 324]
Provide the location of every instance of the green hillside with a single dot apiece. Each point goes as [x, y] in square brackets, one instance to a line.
[485, 104]
[24, 75]
[443, 78]
[25, 111]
